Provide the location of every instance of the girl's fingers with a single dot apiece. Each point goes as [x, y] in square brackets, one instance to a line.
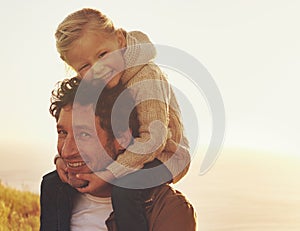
[85, 176]
[84, 189]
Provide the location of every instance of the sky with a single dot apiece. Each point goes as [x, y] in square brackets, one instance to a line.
[250, 48]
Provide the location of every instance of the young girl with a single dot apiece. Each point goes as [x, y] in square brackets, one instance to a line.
[88, 42]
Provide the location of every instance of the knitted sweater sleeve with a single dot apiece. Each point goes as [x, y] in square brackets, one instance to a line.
[151, 91]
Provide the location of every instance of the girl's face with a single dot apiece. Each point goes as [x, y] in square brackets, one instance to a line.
[98, 55]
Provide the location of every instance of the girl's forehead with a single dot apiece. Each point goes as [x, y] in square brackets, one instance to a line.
[94, 29]
[91, 36]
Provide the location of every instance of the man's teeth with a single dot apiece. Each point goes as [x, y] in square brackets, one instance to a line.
[76, 164]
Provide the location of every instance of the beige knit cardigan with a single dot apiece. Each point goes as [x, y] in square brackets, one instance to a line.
[164, 140]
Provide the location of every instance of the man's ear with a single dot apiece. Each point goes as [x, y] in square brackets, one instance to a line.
[123, 140]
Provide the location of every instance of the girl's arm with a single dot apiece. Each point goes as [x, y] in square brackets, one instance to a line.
[151, 92]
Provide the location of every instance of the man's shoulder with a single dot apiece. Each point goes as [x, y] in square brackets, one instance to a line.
[51, 176]
[52, 181]
[52, 185]
[167, 195]
[167, 209]
[170, 210]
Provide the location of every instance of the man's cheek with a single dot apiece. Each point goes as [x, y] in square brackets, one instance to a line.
[59, 147]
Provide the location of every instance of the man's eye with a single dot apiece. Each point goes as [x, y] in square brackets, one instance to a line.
[61, 133]
[84, 134]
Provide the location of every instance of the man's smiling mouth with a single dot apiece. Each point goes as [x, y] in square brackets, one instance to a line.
[76, 164]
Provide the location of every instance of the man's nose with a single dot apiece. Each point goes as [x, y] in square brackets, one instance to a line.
[69, 149]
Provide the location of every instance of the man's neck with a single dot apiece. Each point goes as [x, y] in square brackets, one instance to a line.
[103, 193]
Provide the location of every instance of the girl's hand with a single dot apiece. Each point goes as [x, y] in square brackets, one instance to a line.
[61, 169]
[98, 183]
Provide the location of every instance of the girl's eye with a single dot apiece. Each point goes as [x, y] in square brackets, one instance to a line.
[102, 54]
[83, 67]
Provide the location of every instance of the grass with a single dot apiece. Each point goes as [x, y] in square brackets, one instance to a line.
[19, 210]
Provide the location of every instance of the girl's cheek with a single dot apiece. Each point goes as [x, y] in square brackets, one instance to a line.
[88, 75]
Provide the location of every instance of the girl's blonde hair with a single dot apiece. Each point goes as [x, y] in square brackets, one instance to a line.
[75, 25]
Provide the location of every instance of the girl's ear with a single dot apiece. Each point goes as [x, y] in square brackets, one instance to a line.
[123, 141]
[121, 38]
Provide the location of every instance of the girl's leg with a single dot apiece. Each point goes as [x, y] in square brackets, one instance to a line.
[128, 206]
[130, 193]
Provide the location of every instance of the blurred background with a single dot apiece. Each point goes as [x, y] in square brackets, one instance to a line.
[250, 48]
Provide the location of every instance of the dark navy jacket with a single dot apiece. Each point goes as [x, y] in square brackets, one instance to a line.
[56, 203]
[167, 210]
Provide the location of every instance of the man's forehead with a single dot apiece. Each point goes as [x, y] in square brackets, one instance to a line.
[77, 114]
[87, 109]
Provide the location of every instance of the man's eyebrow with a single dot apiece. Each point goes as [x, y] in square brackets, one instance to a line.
[81, 127]
[59, 126]
[84, 127]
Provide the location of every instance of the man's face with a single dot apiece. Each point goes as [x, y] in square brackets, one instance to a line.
[81, 142]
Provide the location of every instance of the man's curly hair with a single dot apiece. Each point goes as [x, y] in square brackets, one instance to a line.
[63, 95]
[67, 93]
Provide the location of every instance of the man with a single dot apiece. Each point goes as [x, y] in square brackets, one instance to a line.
[88, 143]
